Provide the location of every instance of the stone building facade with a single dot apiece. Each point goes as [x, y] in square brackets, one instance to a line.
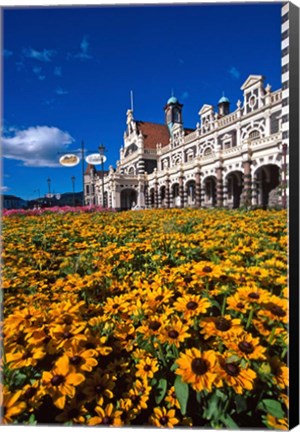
[230, 159]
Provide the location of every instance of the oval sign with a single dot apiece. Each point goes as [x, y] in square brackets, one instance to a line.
[69, 160]
[95, 159]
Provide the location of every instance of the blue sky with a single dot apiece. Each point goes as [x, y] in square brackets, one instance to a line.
[68, 73]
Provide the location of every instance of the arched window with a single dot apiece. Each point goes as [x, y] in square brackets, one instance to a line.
[207, 151]
[255, 134]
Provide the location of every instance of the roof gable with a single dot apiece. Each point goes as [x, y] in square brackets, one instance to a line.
[206, 108]
[252, 80]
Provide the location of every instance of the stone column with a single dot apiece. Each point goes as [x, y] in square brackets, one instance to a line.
[156, 194]
[167, 192]
[254, 190]
[247, 183]
[198, 189]
[225, 191]
[219, 186]
[181, 189]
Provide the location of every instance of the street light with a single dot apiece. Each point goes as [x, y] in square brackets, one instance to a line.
[49, 185]
[101, 150]
[73, 188]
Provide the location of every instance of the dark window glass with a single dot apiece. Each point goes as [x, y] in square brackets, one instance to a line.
[285, 102]
[284, 35]
[285, 68]
[285, 85]
[285, 118]
[285, 51]
[284, 18]
[285, 134]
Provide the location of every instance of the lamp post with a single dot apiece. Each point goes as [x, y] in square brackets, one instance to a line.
[73, 189]
[49, 185]
[101, 150]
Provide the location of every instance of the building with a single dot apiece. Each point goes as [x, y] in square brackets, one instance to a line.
[13, 202]
[231, 159]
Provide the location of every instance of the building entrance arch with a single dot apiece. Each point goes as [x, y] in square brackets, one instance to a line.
[267, 180]
[210, 191]
[234, 183]
[128, 198]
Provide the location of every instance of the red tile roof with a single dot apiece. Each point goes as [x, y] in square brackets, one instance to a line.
[153, 134]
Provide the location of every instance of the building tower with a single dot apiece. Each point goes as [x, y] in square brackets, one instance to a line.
[223, 106]
[173, 113]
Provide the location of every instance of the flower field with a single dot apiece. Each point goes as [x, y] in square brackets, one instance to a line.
[160, 317]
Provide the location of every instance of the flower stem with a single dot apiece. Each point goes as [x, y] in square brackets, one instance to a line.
[250, 316]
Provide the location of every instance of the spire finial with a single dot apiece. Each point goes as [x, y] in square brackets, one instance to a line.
[172, 92]
[131, 100]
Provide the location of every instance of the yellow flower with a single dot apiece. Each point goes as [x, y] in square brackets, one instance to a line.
[10, 405]
[171, 398]
[99, 385]
[61, 381]
[25, 356]
[222, 326]
[109, 416]
[247, 347]
[191, 305]
[198, 369]
[162, 417]
[232, 375]
[82, 358]
[174, 332]
[146, 368]
[276, 423]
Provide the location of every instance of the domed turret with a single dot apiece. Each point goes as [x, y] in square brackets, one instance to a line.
[172, 100]
[223, 106]
[173, 113]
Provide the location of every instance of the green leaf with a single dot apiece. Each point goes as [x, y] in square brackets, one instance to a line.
[229, 422]
[272, 407]
[212, 410]
[240, 403]
[182, 393]
[232, 359]
[161, 390]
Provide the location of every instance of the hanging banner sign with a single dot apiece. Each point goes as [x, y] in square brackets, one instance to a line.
[95, 159]
[69, 160]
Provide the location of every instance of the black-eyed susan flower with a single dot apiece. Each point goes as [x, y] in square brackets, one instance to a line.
[223, 327]
[171, 398]
[146, 368]
[174, 332]
[280, 371]
[233, 375]
[191, 305]
[246, 346]
[198, 369]
[74, 412]
[107, 416]
[163, 418]
[275, 310]
[25, 356]
[99, 386]
[10, 405]
[81, 358]
[277, 424]
[61, 381]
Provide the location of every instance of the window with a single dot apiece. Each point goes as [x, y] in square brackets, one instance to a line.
[285, 51]
[285, 68]
[285, 35]
[227, 144]
[254, 135]
[284, 18]
[207, 151]
[87, 189]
